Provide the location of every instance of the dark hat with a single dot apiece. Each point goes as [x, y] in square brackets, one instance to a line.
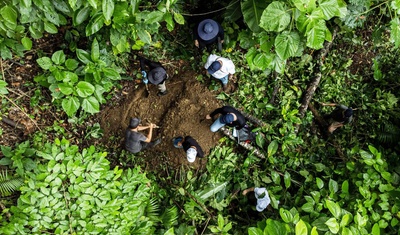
[157, 75]
[214, 67]
[176, 140]
[134, 122]
[207, 29]
[227, 118]
[348, 112]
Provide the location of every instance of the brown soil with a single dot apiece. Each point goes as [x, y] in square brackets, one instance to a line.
[179, 113]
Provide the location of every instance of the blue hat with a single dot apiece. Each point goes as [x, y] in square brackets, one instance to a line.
[176, 140]
[227, 118]
[157, 75]
[214, 67]
[348, 112]
[207, 29]
[134, 122]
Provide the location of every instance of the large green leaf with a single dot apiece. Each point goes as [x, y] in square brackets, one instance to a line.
[45, 63]
[334, 208]
[144, 36]
[58, 57]
[81, 15]
[275, 227]
[98, 93]
[210, 191]
[287, 44]
[233, 11]
[95, 24]
[3, 89]
[66, 88]
[83, 56]
[111, 74]
[70, 105]
[84, 89]
[108, 10]
[305, 5]
[95, 50]
[316, 35]
[9, 15]
[91, 105]
[276, 17]
[301, 228]
[50, 28]
[272, 148]
[27, 43]
[395, 31]
[252, 11]
[333, 225]
[286, 215]
[330, 8]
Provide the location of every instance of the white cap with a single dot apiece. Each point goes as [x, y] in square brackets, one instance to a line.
[263, 202]
[191, 154]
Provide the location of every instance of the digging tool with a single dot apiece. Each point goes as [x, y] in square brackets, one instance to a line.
[147, 90]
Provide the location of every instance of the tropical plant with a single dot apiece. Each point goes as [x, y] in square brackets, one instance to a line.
[9, 183]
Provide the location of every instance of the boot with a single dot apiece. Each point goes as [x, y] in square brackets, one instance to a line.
[225, 87]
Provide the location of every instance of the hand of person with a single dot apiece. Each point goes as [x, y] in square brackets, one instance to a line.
[153, 125]
[145, 81]
[196, 43]
[144, 74]
[222, 41]
[208, 116]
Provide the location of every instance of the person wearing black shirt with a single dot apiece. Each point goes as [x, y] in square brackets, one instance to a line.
[229, 116]
[190, 146]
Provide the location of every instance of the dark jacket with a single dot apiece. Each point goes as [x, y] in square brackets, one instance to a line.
[151, 65]
[189, 142]
[338, 114]
[240, 121]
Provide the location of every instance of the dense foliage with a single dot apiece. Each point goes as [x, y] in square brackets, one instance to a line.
[347, 183]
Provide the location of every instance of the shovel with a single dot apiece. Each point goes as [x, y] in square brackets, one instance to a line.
[147, 90]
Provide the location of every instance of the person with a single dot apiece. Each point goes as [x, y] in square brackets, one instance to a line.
[190, 146]
[220, 68]
[230, 117]
[136, 141]
[340, 116]
[156, 75]
[206, 33]
[262, 197]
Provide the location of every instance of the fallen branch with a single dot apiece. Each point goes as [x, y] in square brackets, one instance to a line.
[12, 123]
[312, 86]
[245, 145]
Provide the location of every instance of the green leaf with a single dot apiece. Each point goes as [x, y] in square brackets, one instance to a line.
[27, 43]
[50, 27]
[144, 36]
[81, 15]
[91, 105]
[395, 31]
[3, 91]
[84, 89]
[376, 230]
[252, 11]
[287, 44]
[320, 183]
[275, 227]
[71, 64]
[286, 215]
[58, 57]
[83, 56]
[70, 105]
[210, 191]
[272, 148]
[179, 18]
[333, 225]
[98, 93]
[65, 88]
[316, 34]
[9, 15]
[301, 228]
[287, 179]
[276, 17]
[221, 221]
[95, 50]
[330, 8]
[314, 231]
[95, 24]
[45, 63]
[108, 9]
[334, 208]
[111, 74]
[305, 5]
[346, 219]
[333, 186]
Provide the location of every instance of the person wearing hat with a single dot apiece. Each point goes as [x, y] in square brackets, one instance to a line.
[136, 141]
[220, 68]
[230, 117]
[190, 146]
[261, 194]
[157, 74]
[340, 116]
[207, 33]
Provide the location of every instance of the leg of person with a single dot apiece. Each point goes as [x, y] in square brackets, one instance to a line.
[151, 144]
[234, 132]
[217, 125]
[219, 44]
[162, 89]
[334, 126]
[224, 81]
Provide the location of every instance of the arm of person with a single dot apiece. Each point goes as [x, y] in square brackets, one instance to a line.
[148, 140]
[221, 33]
[248, 190]
[215, 112]
[141, 128]
[329, 104]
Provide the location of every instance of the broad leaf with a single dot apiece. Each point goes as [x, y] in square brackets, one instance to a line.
[305, 5]
[95, 50]
[108, 10]
[272, 148]
[320, 183]
[210, 191]
[252, 11]
[275, 227]
[98, 93]
[27, 43]
[58, 57]
[9, 15]
[334, 208]
[314, 231]
[286, 215]
[50, 28]
[95, 24]
[45, 63]
[154, 17]
[144, 36]
[316, 35]
[330, 8]
[276, 17]
[395, 31]
[346, 219]
[287, 44]
[111, 74]
[84, 89]
[81, 15]
[70, 105]
[71, 64]
[83, 56]
[65, 88]
[3, 89]
[333, 225]
[301, 228]
[91, 105]
[179, 18]
[286, 179]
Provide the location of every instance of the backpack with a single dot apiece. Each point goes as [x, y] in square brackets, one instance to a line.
[246, 135]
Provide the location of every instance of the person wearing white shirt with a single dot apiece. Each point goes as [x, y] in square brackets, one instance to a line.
[220, 68]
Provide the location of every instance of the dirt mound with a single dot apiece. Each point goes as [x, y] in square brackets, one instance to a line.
[179, 113]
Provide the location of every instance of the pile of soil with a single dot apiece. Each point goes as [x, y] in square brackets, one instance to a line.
[179, 113]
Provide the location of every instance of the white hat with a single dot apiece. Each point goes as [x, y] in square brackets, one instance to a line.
[263, 202]
[191, 154]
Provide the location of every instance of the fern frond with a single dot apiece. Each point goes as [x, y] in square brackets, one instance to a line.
[9, 184]
[169, 217]
[389, 134]
[152, 209]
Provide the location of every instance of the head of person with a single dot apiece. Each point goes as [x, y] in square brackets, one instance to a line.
[134, 122]
[207, 29]
[157, 75]
[214, 67]
[348, 112]
[191, 154]
[178, 142]
[227, 118]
